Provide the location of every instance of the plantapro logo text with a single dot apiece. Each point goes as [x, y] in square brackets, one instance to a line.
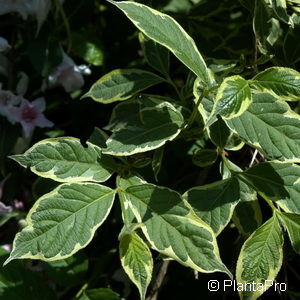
[214, 285]
[253, 286]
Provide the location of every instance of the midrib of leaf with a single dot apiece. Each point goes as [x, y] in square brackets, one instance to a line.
[149, 131]
[292, 221]
[161, 216]
[219, 196]
[236, 94]
[265, 245]
[74, 213]
[264, 179]
[275, 82]
[274, 128]
[68, 161]
[128, 82]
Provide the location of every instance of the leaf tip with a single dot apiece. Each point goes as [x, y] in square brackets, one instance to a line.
[21, 159]
[86, 95]
[9, 259]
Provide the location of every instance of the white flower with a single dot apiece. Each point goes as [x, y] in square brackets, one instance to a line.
[4, 45]
[30, 115]
[15, 6]
[40, 9]
[68, 75]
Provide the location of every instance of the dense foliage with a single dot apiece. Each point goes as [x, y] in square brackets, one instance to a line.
[174, 125]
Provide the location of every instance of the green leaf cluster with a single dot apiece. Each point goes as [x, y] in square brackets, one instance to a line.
[255, 111]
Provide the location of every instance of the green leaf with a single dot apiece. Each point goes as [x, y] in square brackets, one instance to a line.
[68, 272]
[291, 49]
[100, 294]
[159, 125]
[247, 216]
[63, 221]
[164, 30]
[260, 259]
[18, 282]
[278, 181]
[66, 160]
[86, 44]
[136, 260]
[219, 133]
[214, 203]
[45, 53]
[292, 223]
[233, 97]
[119, 85]
[98, 138]
[125, 114]
[234, 143]
[182, 235]
[156, 55]
[270, 126]
[205, 157]
[206, 105]
[266, 29]
[279, 8]
[157, 161]
[123, 182]
[282, 82]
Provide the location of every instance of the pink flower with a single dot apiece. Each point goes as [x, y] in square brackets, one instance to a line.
[5, 209]
[68, 75]
[18, 205]
[7, 101]
[7, 247]
[30, 115]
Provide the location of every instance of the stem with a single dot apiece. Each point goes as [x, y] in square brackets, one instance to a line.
[195, 111]
[171, 82]
[84, 287]
[66, 23]
[127, 223]
[226, 163]
[270, 203]
[253, 158]
[159, 280]
[255, 68]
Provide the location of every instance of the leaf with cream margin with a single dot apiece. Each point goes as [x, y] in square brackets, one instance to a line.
[66, 160]
[119, 85]
[159, 124]
[260, 259]
[182, 235]
[270, 126]
[136, 260]
[164, 30]
[284, 83]
[232, 99]
[63, 221]
[214, 203]
[292, 223]
[277, 181]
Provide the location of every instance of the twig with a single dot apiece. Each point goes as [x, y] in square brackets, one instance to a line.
[253, 158]
[159, 280]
